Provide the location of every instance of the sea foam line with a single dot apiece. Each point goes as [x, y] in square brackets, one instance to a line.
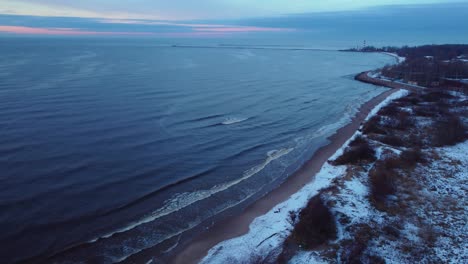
[183, 200]
[179, 233]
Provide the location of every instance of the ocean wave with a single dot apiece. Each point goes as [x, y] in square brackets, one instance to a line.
[191, 225]
[233, 120]
[183, 200]
[243, 54]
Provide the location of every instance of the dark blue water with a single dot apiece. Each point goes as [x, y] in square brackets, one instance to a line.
[119, 146]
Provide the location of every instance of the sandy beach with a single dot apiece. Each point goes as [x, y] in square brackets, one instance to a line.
[239, 225]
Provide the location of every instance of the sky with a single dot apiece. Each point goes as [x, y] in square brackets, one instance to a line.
[187, 9]
[234, 18]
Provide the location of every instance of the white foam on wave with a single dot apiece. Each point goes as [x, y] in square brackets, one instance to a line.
[183, 200]
[349, 112]
[234, 120]
[180, 232]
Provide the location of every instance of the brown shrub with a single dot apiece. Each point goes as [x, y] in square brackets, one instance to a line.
[390, 163]
[401, 121]
[415, 140]
[391, 231]
[428, 235]
[392, 140]
[463, 103]
[289, 249]
[426, 111]
[316, 225]
[412, 99]
[409, 158]
[376, 260]
[382, 182]
[390, 110]
[449, 131]
[372, 126]
[358, 151]
[353, 252]
[436, 96]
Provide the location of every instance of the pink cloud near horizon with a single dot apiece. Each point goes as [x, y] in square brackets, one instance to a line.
[64, 31]
[200, 27]
[228, 29]
[196, 30]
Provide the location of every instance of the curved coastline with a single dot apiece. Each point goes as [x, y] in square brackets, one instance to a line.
[239, 224]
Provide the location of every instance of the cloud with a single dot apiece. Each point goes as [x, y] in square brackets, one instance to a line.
[242, 29]
[186, 9]
[199, 27]
[32, 25]
[20, 30]
[196, 31]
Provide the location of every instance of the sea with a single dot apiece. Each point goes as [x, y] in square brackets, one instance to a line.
[114, 150]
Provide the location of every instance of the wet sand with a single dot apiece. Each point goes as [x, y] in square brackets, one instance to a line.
[239, 225]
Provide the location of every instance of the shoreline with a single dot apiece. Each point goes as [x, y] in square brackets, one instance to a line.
[365, 78]
[197, 249]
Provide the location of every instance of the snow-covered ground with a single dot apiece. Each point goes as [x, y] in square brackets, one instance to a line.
[269, 231]
[439, 215]
[396, 95]
[424, 221]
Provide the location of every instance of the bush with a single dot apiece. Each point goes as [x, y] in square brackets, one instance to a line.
[392, 140]
[402, 121]
[409, 158]
[373, 126]
[376, 260]
[353, 252]
[449, 131]
[358, 151]
[428, 235]
[316, 225]
[426, 111]
[436, 96]
[390, 110]
[391, 231]
[462, 104]
[358, 141]
[382, 182]
[415, 141]
[410, 99]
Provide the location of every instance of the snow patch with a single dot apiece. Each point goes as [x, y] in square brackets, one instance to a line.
[396, 95]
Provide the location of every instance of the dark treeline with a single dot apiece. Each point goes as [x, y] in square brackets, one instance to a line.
[438, 52]
[429, 65]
